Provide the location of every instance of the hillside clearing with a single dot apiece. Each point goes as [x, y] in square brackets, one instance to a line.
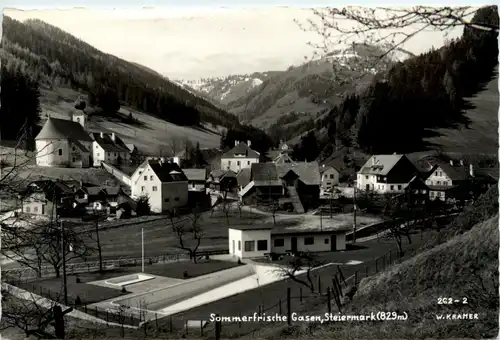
[152, 135]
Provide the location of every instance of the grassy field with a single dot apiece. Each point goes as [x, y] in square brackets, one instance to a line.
[151, 135]
[481, 135]
[159, 238]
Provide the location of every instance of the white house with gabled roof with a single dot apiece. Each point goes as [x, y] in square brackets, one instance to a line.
[386, 174]
[163, 183]
[239, 157]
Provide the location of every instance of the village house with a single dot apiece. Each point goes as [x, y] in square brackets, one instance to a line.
[109, 148]
[46, 197]
[294, 185]
[223, 180]
[239, 157]
[386, 174]
[197, 179]
[449, 180]
[280, 154]
[164, 183]
[64, 143]
[254, 241]
[330, 177]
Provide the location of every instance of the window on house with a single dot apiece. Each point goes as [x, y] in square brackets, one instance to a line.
[332, 176]
[366, 177]
[35, 209]
[109, 154]
[73, 148]
[238, 163]
[167, 200]
[98, 154]
[193, 185]
[438, 182]
[308, 240]
[399, 187]
[150, 178]
[176, 198]
[96, 146]
[248, 162]
[229, 163]
[145, 178]
[279, 242]
[60, 152]
[392, 187]
[28, 209]
[327, 240]
[262, 245]
[115, 154]
[155, 188]
[239, 245]
[74, 159]
[143, 188]
[249, 245]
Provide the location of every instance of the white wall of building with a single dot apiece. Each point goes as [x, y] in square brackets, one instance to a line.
[329, 178]
[237, 163]
[145, 182]
[52, 152]
[235, 246]
[100, 155]
[321, 242]
[439, 177]
[251, 236]
[381, 188]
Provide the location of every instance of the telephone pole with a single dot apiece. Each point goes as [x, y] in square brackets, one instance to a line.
[354, 201]
[63, 249]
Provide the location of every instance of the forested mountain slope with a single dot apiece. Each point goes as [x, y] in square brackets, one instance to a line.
[56, 58]
[413, 106]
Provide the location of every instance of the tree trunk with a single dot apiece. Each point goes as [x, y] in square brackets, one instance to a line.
[274, 219]
[99, 248]
[57, 270]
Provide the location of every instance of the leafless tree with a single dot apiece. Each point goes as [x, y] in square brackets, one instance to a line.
[52, 238]
[381, 30]
[95, 236]
[299, 269]
[189, 232]
[226, 205]
[32, 314]
[239, 205]
[175, 144]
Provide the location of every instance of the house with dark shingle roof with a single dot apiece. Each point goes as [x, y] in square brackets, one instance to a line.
[109, 148]
[197, 179]
[63, 143]
[386, 174]
[296, 185]
[449, 180]
[163, 182]
[222, 180]
[239, 157]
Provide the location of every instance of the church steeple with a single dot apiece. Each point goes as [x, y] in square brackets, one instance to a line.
[80, 118]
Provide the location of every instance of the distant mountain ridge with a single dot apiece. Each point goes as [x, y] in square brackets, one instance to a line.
[227, 89]
[293, 98]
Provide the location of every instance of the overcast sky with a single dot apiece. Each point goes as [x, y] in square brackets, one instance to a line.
[191, 43]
